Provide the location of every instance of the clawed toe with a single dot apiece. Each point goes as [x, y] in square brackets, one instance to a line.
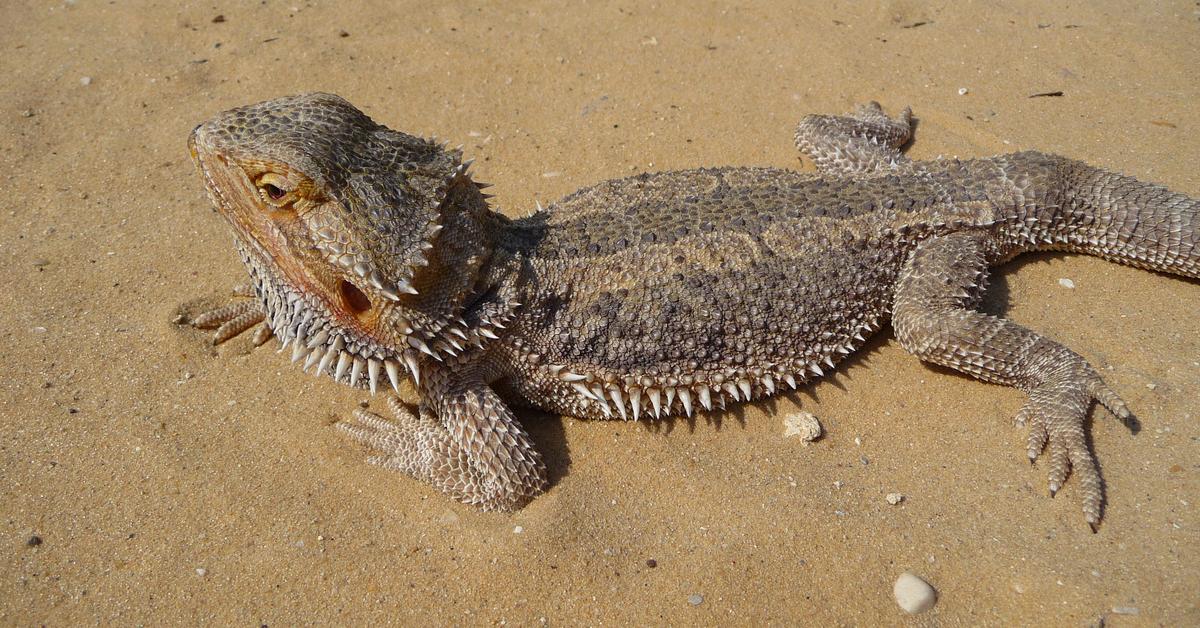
[232, 319]
[1055, 414]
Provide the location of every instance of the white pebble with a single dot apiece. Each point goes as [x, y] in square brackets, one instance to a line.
[895, 498]
[200, 571]
[1066, 283]
[518, 529]
[802, 424]
[962, 91]
[913, 594]
[695, 599]
[85, 81]
[1126, 610]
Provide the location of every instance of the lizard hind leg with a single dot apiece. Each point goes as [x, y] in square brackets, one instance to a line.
[863, 142]
[933, 320]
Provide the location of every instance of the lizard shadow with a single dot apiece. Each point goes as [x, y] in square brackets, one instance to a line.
[549, 436]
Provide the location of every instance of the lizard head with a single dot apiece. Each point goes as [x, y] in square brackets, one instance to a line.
[337, 219]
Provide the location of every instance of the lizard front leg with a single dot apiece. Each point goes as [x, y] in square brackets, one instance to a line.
[932, 319]
[235, 317]
[463, 440]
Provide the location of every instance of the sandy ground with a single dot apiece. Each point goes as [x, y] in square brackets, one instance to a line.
[170, 482]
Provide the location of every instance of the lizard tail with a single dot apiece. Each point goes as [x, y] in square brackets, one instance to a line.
[1094, 211]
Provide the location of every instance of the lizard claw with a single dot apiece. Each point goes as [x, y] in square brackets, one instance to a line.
[1055, 414]
[233, 318]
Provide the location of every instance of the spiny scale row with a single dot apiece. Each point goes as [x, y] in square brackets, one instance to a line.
[295, 322]
[321, 351]
[629, 396]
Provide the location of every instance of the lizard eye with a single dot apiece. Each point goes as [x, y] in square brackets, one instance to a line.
[275, 190]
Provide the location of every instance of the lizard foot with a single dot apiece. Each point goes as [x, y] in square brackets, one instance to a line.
[865, 142]
[399, 442]
[422, 446]
[235, 317]
[1055, 414]
[882, 129]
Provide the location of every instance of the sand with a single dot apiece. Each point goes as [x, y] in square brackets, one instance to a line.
[169, 482]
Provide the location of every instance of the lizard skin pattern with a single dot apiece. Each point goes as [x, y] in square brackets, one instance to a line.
[374, 255]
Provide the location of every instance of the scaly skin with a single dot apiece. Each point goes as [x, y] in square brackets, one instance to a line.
[374, 254]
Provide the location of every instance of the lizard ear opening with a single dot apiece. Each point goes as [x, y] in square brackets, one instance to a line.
[353, 298]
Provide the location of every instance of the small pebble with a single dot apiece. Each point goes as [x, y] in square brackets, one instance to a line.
[1152, 386]
[85, 81]
[962, 91]
[651, 563]
[1066, 283]
[1126, 610]
[518, 529]
[894, 498]
[913, 594]
[27, 113]
[200, 571]
[802, 424]
[218, 19]
[695, 599]
[34, 541]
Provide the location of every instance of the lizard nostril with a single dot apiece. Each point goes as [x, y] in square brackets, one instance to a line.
[354, 298]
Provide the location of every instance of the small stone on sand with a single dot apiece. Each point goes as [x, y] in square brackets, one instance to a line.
[85, 81]
[913, 594]
[1066, 283]
[895, 498]
[802, 424]
[695, 599]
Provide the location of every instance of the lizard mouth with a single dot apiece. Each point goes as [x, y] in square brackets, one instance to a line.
[302, 321]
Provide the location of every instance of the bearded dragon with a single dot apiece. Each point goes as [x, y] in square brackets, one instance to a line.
[374, 255]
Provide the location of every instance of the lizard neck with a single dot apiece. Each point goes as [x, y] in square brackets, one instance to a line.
[466, 290]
